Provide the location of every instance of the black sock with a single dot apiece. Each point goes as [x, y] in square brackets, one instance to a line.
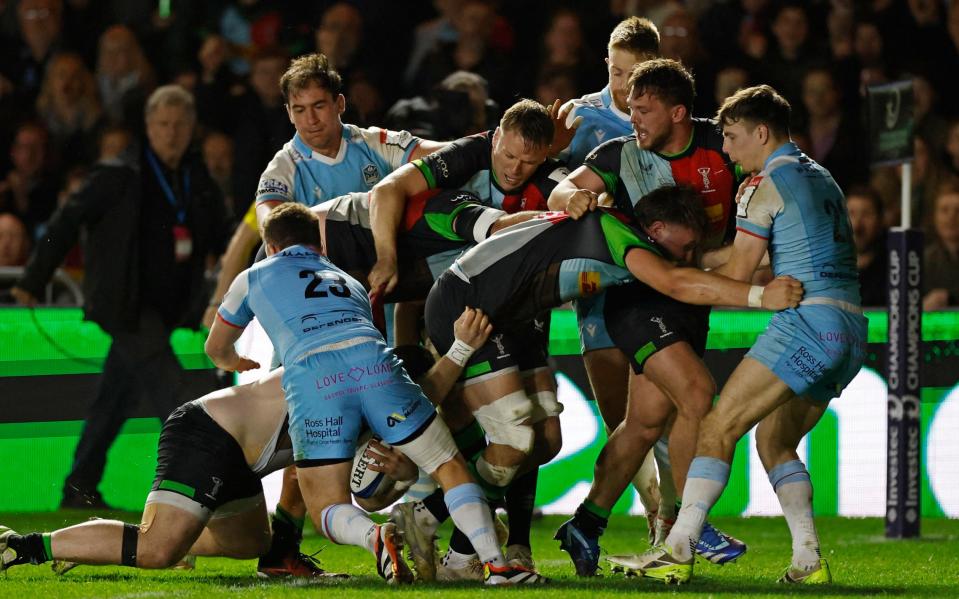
[460, 543]
[287, 534]
[33, 548]
[436, 504]
[589, 521]
[520, 498]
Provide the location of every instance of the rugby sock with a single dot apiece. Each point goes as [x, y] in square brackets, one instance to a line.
[287, 528]
[647, 486]
[705, 483]
[591, 518]
[471, 514]
[433, 511]
[520, 499]
[346, 524]
[33, 548]
[794, 490]
[668, 501]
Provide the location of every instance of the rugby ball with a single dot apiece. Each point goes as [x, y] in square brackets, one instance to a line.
[366, 483]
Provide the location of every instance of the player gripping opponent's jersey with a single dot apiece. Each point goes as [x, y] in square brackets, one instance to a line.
[298, 174]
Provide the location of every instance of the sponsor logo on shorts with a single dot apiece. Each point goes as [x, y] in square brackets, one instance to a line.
[538, 324]
[356, 373]
[323, 430]
[588, 283]
[371, 175]
[500, 348]
[272, 186]
[396, 417]
[591, 330]
[217, 483]
[658, 320]
[804, 363]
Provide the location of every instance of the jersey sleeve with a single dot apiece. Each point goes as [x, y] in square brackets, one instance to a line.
[454, 165]
[605, 161]
[277, 181]
[620, 238]
[459, 217]
[395, 147]
[758, 206]
[235, 308]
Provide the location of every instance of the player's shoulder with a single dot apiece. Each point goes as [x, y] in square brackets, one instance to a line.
[612, 146]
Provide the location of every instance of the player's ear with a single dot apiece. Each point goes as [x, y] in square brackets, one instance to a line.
[340, 104]
[678, 113]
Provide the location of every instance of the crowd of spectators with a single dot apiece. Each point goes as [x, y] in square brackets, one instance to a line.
[74, 76]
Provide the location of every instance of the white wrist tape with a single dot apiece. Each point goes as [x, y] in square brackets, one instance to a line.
[459, 353]
[756, 296]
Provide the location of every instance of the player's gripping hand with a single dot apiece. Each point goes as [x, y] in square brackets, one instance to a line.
[564, 128]
[391, 462]
[383, 276]
[782, 293]
[472, 327]
[242, 364]
[581, 202]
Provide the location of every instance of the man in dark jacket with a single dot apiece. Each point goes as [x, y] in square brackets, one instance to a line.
[150, 229]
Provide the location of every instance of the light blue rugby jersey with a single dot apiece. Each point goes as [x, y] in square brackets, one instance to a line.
[302, 302]
[298, 174]
[602, 121]
[797, 206]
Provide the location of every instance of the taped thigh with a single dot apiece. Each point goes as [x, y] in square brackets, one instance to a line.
[431, 448]
[545, 405]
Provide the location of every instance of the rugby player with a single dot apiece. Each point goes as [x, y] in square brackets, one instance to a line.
[339, 373]
[793, 208]
[604, 116]
[507, 168]
[206, 497]
[663, 336]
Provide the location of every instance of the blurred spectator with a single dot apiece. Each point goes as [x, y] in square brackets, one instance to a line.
[114, 144]
[458, 107]
[70, 109]
[736, 29]
[14, 240]
[940, 278]
[124, 77]
[218, 158]
[679, 40]
[472, 51]
[217, 87]
[729, 80]
[565, 50]
[339, 36]
[29, 190]
[869, 235]
[150, 231]
[23, 65]
[556, 83]
[928, 173]
[790, 54]
[834, 138]
[952, 147]
[929, 124]
[265, 125]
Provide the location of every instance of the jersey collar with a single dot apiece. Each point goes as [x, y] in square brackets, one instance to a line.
[308, 152]
[296, 251]
[784, 150]
[607, 97]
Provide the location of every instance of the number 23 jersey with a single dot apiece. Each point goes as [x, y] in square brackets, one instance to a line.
[302, 302]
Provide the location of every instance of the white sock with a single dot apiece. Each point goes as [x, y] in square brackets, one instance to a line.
[471, 514]
[456, 560]
[346, 524]
[794, 490]
[705, 483]
[667, 489]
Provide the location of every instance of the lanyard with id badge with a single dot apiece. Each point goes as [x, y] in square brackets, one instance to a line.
[182, 239]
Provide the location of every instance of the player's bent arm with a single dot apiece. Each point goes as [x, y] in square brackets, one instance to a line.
[426, 147]
[263, 208]
[387, 202]
[512, 219]
[577, 193]
[219, 347]
[694, 286]
[747, 254]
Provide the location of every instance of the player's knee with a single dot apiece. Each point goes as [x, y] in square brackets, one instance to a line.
[550, 442]
[155, 556]
[506, 421]
[697, 398]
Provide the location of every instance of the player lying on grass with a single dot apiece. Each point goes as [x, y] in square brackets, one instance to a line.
[339, 373]
[793, 208]
[220, 446]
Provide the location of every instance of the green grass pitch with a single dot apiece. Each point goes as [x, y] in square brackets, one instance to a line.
[863, 562]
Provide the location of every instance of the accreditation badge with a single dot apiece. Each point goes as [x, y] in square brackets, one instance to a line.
[182, 243]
